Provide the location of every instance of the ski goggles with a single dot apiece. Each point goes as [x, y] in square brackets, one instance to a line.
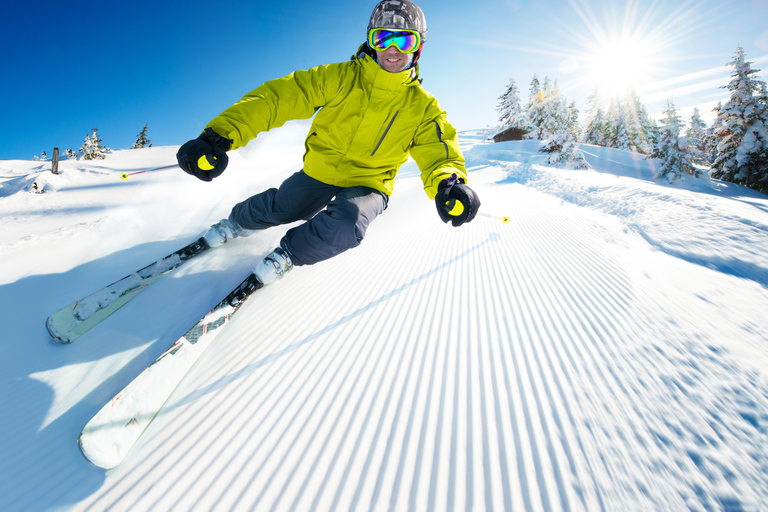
[407, 41]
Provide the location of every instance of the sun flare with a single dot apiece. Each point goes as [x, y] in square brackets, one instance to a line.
[618, 65]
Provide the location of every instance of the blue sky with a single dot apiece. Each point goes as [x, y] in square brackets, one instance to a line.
[71, 66]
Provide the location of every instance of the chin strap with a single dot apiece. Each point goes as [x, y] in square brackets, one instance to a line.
[416, 56]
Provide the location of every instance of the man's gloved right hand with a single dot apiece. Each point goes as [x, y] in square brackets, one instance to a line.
[455, 201]
[206, 156]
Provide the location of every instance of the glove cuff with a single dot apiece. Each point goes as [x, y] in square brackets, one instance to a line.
[216, 140]
[449, 182]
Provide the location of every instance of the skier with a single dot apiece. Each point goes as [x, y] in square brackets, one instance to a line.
[372, 114]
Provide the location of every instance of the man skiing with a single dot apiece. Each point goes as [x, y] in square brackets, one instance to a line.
[372, 113]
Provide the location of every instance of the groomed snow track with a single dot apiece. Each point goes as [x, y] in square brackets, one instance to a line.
[517, 366]
[556, 362]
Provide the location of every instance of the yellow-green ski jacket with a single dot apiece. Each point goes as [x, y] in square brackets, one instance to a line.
[369, 121]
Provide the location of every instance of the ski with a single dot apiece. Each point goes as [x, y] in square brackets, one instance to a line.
[110, 435]
[72, 321]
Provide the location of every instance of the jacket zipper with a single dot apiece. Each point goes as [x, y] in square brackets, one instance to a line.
[440, 138]
[385, 133]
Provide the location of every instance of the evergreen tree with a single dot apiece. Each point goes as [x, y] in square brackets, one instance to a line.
[533, 93]
[621, 137]
[611, 125]
[742, 151]
[697, 132]
[625, 125]
[676, 153]
[594, 133]
[141, 140]
[535, 110]
[550, 111]
[652, 134]
[711, 141]
[92, 148]
[636, 120]
[563, 150]
[510, 109]
[594, 103]
[71, 155]
[572, 121]
[753, 151]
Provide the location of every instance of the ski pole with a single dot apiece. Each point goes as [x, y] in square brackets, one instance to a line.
[456, 208]
[125, 175]
[503, 219]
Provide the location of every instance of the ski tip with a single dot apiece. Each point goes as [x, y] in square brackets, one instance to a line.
[96, 458]
[55, 334]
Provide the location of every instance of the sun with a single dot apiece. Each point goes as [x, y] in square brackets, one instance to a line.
[618, 65]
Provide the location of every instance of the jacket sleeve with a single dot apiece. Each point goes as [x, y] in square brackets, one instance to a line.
[296, 96]
[436, 150]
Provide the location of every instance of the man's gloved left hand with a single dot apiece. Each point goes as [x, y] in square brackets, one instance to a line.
[206, 156]
[455, 201]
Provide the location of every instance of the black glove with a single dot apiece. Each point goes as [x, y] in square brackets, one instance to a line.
[451, 191]
[206, 156]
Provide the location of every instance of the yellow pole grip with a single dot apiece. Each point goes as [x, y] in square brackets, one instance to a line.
[456, 208]
[206, 162]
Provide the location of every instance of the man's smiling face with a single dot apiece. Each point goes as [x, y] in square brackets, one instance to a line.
[393, 60]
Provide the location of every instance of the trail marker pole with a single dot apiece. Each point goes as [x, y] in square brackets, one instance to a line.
[55, 161]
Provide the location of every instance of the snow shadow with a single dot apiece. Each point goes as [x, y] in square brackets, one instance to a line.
[42, 467]
[729, 266]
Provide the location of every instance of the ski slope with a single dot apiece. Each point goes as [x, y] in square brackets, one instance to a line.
[604, 350]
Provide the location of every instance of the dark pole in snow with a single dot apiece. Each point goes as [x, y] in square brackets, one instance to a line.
[55, 161]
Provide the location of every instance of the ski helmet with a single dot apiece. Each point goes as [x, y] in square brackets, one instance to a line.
[399, 14]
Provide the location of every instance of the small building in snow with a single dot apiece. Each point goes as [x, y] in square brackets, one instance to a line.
[509, 134]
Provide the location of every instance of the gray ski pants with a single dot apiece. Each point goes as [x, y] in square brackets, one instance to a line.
[337, 217]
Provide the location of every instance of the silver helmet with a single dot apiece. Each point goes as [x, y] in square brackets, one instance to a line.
[399, 14]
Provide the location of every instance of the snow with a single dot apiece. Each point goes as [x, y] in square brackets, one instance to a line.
[606, 349]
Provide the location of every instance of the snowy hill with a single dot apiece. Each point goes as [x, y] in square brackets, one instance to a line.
[604, 350]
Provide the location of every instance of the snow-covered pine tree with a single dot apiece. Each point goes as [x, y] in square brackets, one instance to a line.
[711, 140]
[697, 132]
[753, 151]
[563, 150]
[510, 109]
[611, 123]
[92, 148]
[636, 119]
[533, 93]
[652, 134]
[572, 121]
[676, 153]
[535, 110]
[555, 109]
[622, 138]
[71, 155]
[593, 130]
[141, 140]
[742, 148]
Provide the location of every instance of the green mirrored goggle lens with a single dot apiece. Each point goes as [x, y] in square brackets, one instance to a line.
[405, 40]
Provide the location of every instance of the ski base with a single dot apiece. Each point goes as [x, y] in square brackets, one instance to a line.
[74, 320]
[109, 436]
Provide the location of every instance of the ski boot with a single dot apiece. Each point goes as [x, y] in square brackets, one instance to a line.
[273, 266]
[223, 231]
